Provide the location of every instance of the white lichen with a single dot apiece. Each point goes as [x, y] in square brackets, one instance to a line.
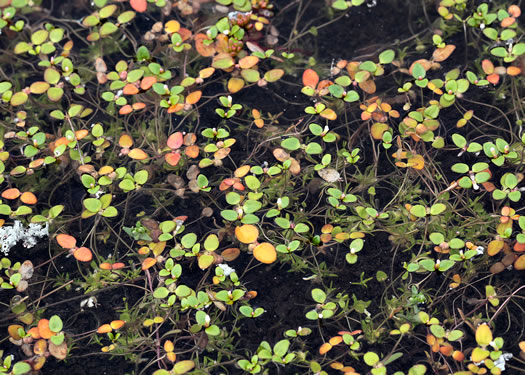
[11, 235]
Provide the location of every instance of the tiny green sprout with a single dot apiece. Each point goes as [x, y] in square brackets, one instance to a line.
[509, 54]
[279, 352]
[355, 246]
[344, 5]
[300, 331]
[100, 206]
[323, 309]
[252, 366]
[419, 73]
[249, 312]
[509, 182]
[491, 295]
[477, 174]
[438, 41]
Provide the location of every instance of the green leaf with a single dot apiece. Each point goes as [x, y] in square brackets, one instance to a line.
[39, 37]
[318, 295]
[252, 182]
[161, 292]
[183, 367]
[21, 368]
[188, 240]
[499, 51]
[107, 29]
[55, 324]
[418, 72]
[291, 143]
[418, 210]
[211, 243]
[92, 204]
[460, 168]
[281, 347]
[371, 358]
[437, 208]
[313, 148]
[386, 57]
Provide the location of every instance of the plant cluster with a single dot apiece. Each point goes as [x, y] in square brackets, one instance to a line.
[156, 178]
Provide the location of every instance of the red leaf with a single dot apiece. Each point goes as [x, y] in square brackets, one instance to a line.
[310, 78]
[139, 5]
[175, 140]
[172, 158]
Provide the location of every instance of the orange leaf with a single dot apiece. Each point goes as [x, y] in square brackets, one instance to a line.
[130, 89]
[172, 158]
[12, 193]
[493, 78]
[368, 86]
[105, 266]
[184, 33]
[206, 72]
[137, 154]
[328, 114]
[116, 324]
[441, 54]
[175, 140]
[336, 340]
[487, 66]
[310, 78]
[34, 333]
[193, 97]
[446, 350]
[458, 356]
[125, 141]
[519, 247]
[203, 50]
[104, 328]
[176, 108]
[79, 134]
[248, 61]
[139, 5]
[83, 254]
[241, 171]
[494, 247]
[138, 106]
[506, 22]
[148, 263]
[192, 151]
[43, 329]
[118, 265]
[265, 253]
[325, 348]
[519, 264]
[125, 110]
[238, 186]
[378, 129]
[416, 162]
[513, 70]
[514, 11]
[66, 241]
[235, 85]
[147, 82]
[247, 233]
[28, 198]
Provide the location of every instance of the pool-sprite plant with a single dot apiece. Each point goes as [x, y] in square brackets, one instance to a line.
[201, 162]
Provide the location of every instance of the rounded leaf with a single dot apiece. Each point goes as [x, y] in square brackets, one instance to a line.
[265, 253]
[247, 233]
[66, 241]
[137, 154]
[83, 254]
